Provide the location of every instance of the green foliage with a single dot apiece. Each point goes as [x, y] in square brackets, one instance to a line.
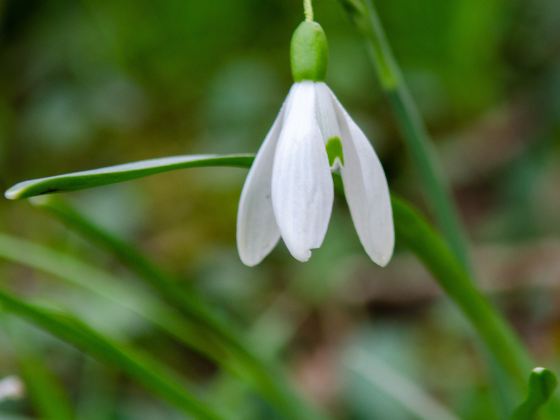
[206, 333]
[119, 173]
[411, 230]
[142, 368]
[84, 84]
[214, 336]
[542, 384]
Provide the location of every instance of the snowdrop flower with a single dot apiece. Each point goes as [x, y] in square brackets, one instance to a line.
[288, 193]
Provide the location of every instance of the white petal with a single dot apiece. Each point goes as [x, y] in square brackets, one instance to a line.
[257, 232]
[366, 190]
[326, 113]
[302, 187]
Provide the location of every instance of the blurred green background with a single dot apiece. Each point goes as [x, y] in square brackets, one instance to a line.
[93, 83]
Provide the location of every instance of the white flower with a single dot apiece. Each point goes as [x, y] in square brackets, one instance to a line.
[289, 190]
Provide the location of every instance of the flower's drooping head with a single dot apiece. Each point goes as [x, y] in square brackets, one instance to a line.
[289, 191]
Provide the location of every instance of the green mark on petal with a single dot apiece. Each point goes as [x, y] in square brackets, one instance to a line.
[334, 151]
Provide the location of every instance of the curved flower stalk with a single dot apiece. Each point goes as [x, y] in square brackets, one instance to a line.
[288, 193]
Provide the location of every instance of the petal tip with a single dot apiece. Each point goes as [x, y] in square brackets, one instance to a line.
[383, 260]
[248, 263]
[301, 256]
[250, 257]
[382, 255]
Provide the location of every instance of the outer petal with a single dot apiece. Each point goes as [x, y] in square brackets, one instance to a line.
[326, 113]
[366, 190]
[257, 232]
[302, 187]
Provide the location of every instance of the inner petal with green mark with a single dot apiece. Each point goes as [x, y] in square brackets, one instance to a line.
[334, 152]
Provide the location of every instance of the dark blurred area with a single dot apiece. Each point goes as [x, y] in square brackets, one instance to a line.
[92, 83]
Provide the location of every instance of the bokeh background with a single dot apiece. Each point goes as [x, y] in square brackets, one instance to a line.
[93, 83]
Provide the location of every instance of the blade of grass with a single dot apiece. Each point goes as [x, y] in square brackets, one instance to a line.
[79, 274]
[364, 16]
[163, 283]
[265, 376]
[266, 380]
[120, 173]
[147, 371]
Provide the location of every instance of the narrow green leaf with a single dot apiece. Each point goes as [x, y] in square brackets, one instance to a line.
[160, 281]
[120, 173]
[140, 367]
[542, 383]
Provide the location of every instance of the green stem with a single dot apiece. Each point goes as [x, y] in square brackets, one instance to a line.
[308, 10]
[411, 124]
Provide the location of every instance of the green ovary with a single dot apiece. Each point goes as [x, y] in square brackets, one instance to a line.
[309, 53]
